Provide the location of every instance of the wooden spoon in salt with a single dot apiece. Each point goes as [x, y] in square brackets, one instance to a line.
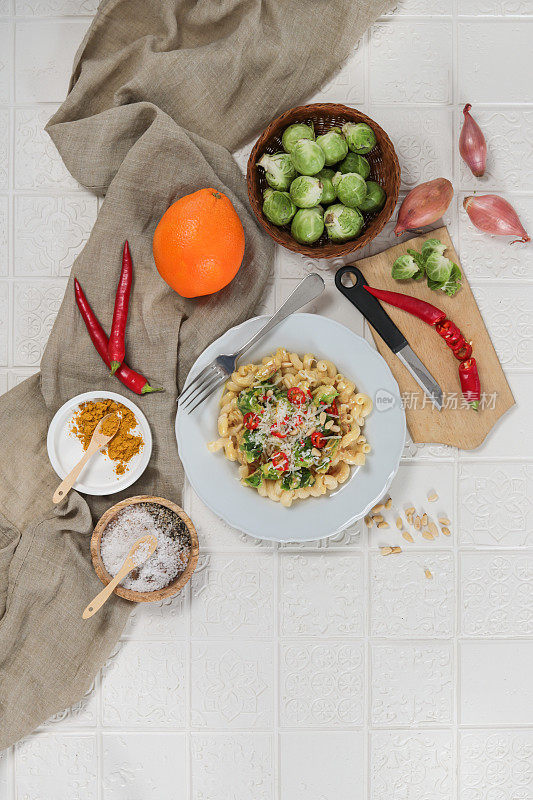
[139, 553]
[98, 440]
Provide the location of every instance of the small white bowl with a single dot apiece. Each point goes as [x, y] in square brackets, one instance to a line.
[98, 476]
[215, 479]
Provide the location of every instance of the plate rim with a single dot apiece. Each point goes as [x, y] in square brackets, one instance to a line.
[356, 517]
[93, 395]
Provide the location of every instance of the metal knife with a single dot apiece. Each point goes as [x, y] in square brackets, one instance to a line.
[375, 314]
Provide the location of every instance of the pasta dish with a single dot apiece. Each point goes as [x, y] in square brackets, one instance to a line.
[293, 424]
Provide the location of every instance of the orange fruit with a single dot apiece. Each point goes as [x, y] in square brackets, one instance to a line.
[199, 243]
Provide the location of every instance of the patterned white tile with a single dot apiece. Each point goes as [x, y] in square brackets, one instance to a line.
[412, 765]
[412, 684]
[4, 773]
[3, 382]
[330, 304]
[509, 316]
[351, 537]
[495, 682]
[504, 8]
[432, 451]
[513, 433]
[44, 51]
[237, 766]
[43, 8]
[138, 766]
[405, 603]
[411, 486]
[296, 266]
[4, 321]
[423, 140]
[423, 7]
[18, 376]
[495, 506]
[166, 619]
[35, 309]
[508, 132]
[483, 48]
[215, 534]
[348, 85]
[57, 767]
[50, 232]
[321, 684]
[493, 257]
[5, 149]
[497, 594]
[38, 165]
[233, 596]
[496, 764]
[144, 683]
[321, 595]
[322, 765]
[4, 235]
[83, 714]
[410, 62]
[6, 48]
[232, 685]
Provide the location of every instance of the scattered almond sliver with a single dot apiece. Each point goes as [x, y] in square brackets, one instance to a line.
[388, 504]
[369, 522]
[444, 520]
[432, 528]
[446, 531]
[407, 536]
[383, 525]
[387, 551]
[378, 518]
[427, 573]
[410, 511]
[378, 507]
[399, 523]
[433, 497]
[428, 535]
[418, 523]
[424, 519]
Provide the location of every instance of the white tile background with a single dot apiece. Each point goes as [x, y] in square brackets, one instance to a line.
[320, 672]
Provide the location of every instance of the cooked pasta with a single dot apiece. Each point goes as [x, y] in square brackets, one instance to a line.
[293, 423]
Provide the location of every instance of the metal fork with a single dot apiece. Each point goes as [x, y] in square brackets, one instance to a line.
[219, 370]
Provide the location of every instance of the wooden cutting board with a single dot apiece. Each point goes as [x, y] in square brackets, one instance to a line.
[457, 424]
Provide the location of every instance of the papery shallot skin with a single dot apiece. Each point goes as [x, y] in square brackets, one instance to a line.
[472, 144]
[424, 204]
[492, 214]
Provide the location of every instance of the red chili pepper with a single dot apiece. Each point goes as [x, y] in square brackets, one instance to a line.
[251, 421]
[462, 350]
[283, 461]
[116, 348]
[317, 439]
[296, 396]
[424, 311]
[470, 383]
[277, 434]
[454, 339]
[332, 410]
[133, 380]
[297, 420]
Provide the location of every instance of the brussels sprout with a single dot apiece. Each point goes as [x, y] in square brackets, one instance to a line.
[355, 163]
[278, 207]
[450, 286]
[333, 144]
[350, 188]
[433, 246]
[343, 223]
[360, 137]
[375, 197]
[279, 170]
[438, 267]
[404, 267]
[420, 261]
[255, 479]
[308, 225]
[295, 132]
[306, 191]
[329, 195]
[307, 157]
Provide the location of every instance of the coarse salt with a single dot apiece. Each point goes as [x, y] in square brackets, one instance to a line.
[169, 558]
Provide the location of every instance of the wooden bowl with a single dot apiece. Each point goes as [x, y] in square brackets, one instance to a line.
[384, 169]
[158, 594]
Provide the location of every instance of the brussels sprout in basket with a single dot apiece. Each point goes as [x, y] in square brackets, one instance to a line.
[306, 191]
[343, 223]
[350, 188]
[279, 170]
[307, 157]
[308, 195]
[278, 207]
[355, 163]
[295, 132]
[360, 137]
[308, 225]
[333, 144]
[329, 195]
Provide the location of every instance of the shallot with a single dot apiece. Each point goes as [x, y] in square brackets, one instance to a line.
[493, 214]
[472, 144]
[424, 204]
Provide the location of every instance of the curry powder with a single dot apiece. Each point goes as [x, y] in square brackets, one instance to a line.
[124, 445]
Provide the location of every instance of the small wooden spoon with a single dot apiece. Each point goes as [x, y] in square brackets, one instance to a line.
[147, 545]
[98, 440]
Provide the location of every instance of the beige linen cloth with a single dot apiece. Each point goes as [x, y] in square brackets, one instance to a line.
[161, 91]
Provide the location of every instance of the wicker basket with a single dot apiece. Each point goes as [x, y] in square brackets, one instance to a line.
[384, 169]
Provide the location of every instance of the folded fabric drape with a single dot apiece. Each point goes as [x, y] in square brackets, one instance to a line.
[161, 91]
